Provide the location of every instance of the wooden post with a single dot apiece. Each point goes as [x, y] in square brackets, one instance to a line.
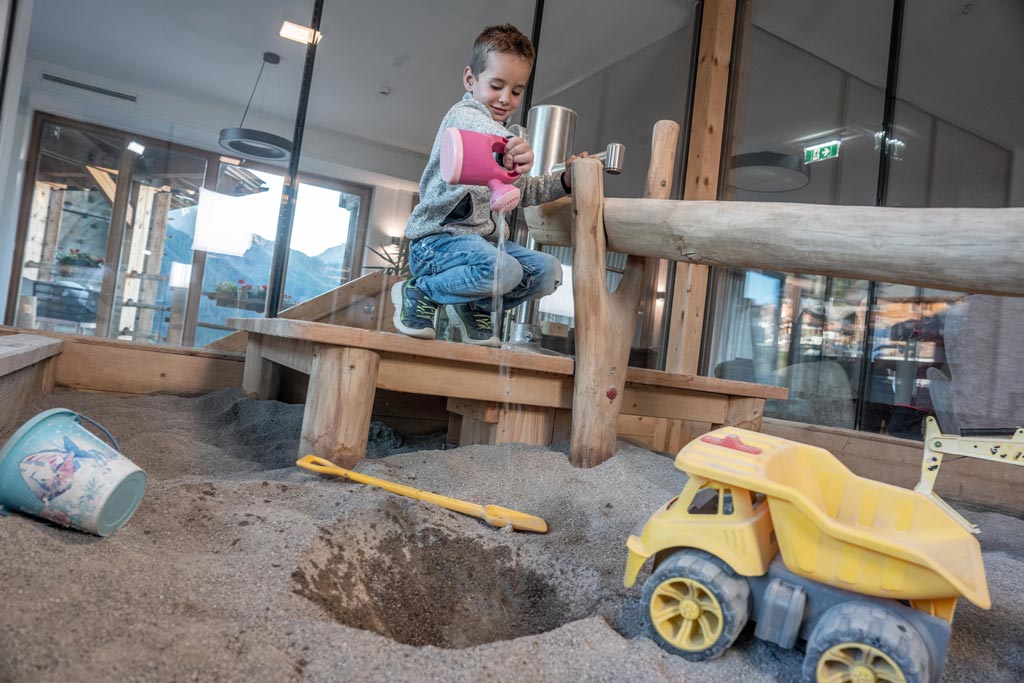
[51, 232]
[604, 325]
[658, 186]
[151, 284]
[136, 244]
[705, 152]
[260, 377]
[519, 423]
[118, 194]
[744, 412]
[605, 321]
[339, 402]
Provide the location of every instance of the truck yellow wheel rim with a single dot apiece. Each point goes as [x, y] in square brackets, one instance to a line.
[686, 614]
[857, 663]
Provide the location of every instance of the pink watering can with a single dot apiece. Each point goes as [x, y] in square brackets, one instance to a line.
[467, 158]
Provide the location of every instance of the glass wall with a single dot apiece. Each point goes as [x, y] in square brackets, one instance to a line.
[183, 231]
[806, 122]
[126, 217]
[642, 75]
[134, 220]
[959, 143]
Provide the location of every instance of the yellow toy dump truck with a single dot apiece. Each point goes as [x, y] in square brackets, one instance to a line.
[783, 534]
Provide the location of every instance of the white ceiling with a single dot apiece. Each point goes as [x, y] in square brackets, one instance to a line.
[211, 50]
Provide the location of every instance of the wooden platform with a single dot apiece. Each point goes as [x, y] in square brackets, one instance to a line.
[500, 395]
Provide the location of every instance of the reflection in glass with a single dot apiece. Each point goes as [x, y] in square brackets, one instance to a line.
[236, 227]
[620, 80]
[165, 183]
[72, 199]
[801, 84]
[805, 107]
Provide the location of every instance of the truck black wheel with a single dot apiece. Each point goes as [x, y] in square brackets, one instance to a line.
[696, 605]
[859, 641]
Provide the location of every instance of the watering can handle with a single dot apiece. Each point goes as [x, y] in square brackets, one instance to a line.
[498, 147]
[97, 425]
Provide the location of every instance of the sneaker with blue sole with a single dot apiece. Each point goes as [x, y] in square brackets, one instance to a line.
[474, 325]
[414, 312]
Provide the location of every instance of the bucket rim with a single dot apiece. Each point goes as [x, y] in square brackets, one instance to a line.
[23, 430]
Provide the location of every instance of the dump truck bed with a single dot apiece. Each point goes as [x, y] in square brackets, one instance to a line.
[843, 530]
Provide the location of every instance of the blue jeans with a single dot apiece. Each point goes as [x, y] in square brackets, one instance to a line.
[459, 269]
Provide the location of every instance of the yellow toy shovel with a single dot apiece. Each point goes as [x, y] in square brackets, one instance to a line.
[495, 515]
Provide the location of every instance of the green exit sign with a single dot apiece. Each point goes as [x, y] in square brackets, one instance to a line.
[826, 150]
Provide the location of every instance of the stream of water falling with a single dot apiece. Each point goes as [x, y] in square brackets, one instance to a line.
[498, 314]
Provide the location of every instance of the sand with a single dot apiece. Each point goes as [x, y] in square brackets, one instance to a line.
[239, 566]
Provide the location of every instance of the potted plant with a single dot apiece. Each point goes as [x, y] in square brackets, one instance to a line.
[396, 256]
[70, 261]
[243, 295]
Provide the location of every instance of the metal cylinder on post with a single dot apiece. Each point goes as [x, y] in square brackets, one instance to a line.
[552, 134]
[551, 130]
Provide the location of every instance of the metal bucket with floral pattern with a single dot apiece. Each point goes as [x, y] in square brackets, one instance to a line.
[54, 468]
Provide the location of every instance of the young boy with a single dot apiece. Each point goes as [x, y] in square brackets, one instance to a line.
[453, 255]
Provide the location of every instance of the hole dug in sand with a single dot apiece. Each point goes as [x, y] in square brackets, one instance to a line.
[425, 584]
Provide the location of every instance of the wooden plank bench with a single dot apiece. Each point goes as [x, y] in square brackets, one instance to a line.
[523, 396]
[26, 370]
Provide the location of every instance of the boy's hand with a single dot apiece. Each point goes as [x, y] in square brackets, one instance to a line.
[568, 167]
[518, 156]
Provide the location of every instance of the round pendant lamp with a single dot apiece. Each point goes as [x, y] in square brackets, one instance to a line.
[768, 172]
[250, 142]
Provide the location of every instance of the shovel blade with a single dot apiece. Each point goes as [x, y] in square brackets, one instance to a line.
[498, 516]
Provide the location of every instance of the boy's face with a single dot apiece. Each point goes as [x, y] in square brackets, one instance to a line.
[500, 85]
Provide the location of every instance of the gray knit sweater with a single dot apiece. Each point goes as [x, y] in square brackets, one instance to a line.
[465, 209]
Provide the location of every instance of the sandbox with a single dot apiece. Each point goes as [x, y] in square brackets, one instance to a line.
[239, 566]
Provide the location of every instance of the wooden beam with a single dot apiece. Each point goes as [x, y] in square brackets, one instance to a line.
[190, 321]
[401, 344]
[410, 353]
[144, 370]
[96, 364]
[151, 285]
[964, 250]
[898, 462]
[707, 134]
[115, 237]
[51, 232]
[134, 259]
[469, 380]
[658, 185]
[605, 321]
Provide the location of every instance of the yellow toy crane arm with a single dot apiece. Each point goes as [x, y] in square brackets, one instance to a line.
[982, 444]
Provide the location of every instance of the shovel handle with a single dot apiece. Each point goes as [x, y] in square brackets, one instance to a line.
[492, 514]
[317, 464]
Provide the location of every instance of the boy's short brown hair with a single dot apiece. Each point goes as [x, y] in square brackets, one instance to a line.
[504, 38]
